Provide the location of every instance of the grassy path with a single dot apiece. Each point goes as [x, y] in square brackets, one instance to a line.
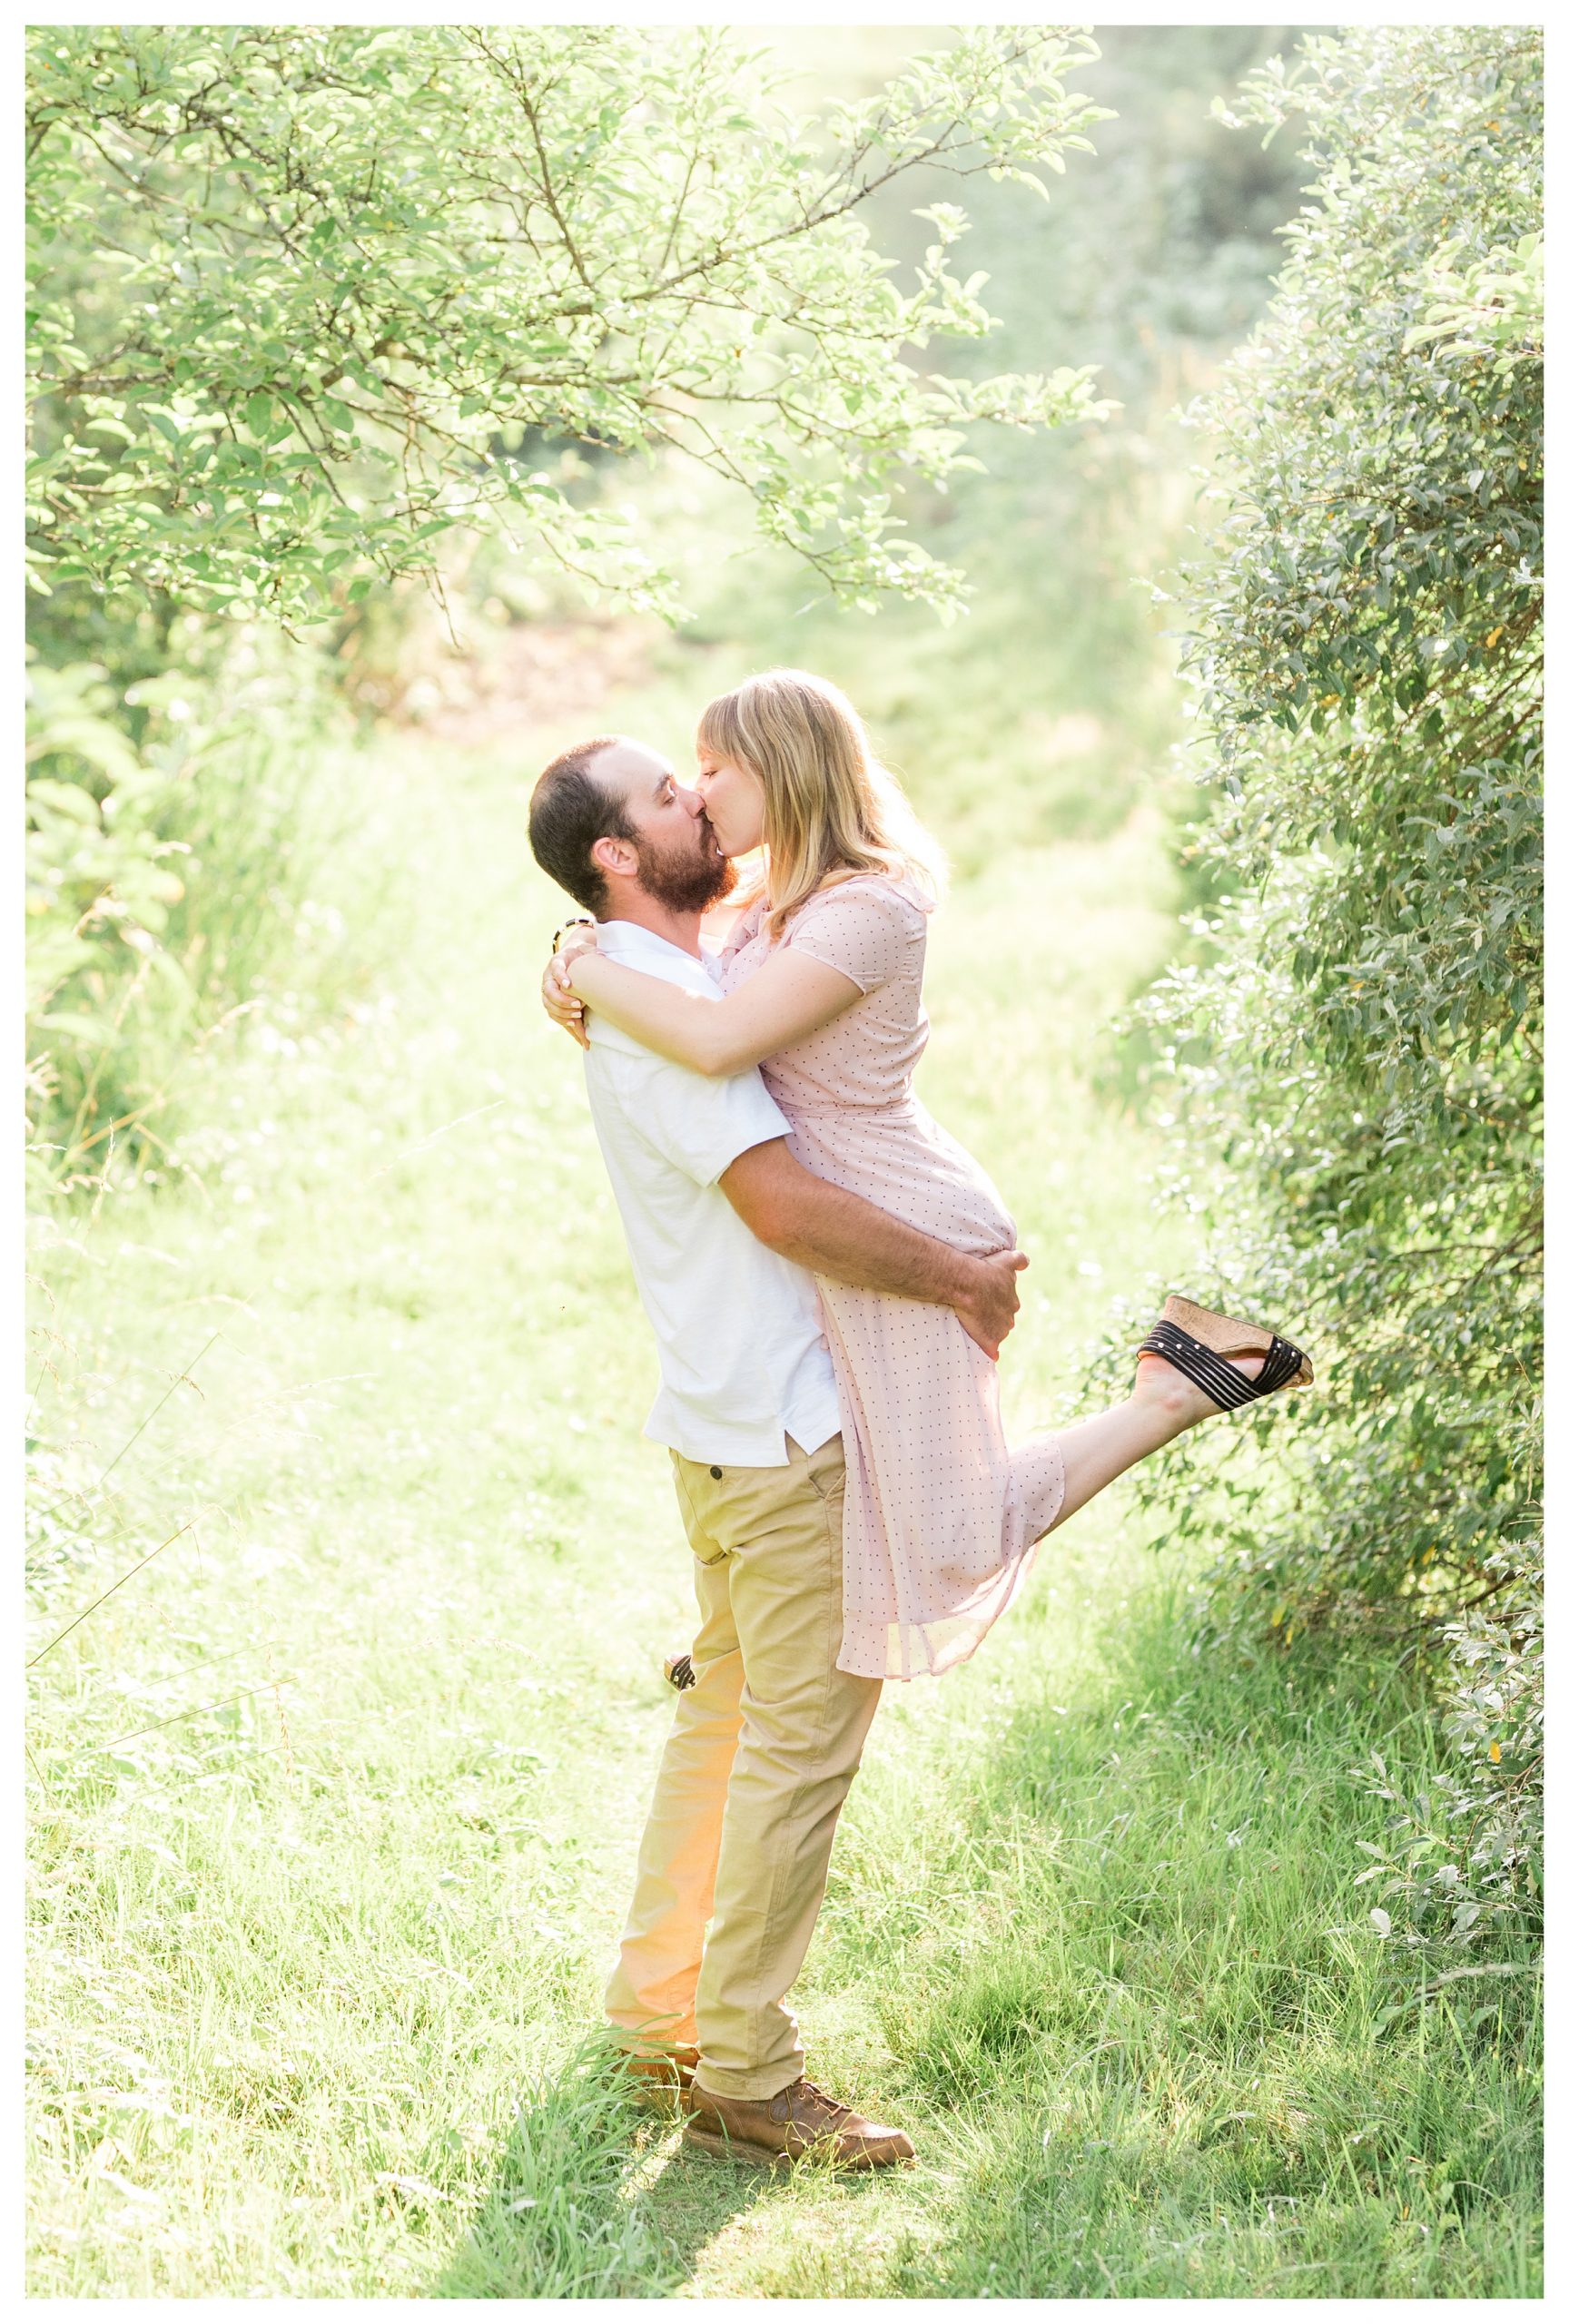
[1090, 1932]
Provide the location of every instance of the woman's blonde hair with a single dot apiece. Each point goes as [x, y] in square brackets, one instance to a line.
[829, 808]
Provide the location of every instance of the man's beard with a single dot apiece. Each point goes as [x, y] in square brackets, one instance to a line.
[685, 883]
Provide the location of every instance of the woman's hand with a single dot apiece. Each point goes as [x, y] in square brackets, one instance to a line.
[710, 1031]
[560, 1003]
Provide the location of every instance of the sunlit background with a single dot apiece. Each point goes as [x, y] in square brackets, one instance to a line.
[337, 1797]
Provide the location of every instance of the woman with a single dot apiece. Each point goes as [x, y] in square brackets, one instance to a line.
[822, 987]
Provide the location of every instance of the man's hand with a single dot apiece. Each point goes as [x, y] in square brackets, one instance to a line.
[846, 1238]
[578, 936]
[989, 1306]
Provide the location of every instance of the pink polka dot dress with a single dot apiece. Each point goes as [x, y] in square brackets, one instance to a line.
[940, 1518]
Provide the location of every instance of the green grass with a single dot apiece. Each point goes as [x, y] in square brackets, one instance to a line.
[315, 1972]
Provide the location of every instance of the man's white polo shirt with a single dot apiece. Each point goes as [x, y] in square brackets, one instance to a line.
[741, 1358]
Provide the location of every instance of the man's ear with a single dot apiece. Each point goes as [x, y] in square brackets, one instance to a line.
[616, 856]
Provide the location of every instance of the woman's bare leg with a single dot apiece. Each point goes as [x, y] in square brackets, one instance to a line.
[1163, 1403]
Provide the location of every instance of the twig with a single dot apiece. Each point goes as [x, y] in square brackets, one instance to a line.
[180, 1379]
[108, 1593]
[419, 1146]
[49, 1790]
[194, 1712]
[283, 1721]
[210, 1662]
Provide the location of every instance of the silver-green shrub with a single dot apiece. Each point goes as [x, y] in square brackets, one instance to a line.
[1357, 1038]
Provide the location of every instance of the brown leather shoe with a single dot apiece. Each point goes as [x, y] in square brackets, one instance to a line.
[664, 2074]
[801, 2123]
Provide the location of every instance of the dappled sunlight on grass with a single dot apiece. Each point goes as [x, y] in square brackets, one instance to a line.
[1121, 1991]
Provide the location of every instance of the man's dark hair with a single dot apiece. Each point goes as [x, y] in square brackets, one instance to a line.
[566, 814]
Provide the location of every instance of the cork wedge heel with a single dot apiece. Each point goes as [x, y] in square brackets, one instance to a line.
[1198, 1343]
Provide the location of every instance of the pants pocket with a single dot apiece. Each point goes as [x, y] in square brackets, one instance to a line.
[710, 1553]
[827, 1482]
[683, 1497]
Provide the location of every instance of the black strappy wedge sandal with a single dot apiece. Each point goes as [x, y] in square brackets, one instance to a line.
[1197, 1343]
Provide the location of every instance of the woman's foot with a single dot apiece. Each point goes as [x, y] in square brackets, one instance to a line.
[1221, 1362]
[1193, 1364]
[1160, 1386]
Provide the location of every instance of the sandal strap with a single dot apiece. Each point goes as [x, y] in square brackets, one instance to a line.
[1284, 1361]
[1220, 1380]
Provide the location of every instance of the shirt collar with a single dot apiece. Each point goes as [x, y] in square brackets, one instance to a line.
[625, 939]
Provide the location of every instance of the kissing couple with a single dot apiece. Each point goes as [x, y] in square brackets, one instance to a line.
[829, 1278]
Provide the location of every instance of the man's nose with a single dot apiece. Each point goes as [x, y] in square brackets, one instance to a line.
[690, 800]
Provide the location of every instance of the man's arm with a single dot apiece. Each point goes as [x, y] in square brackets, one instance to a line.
[837, 1234]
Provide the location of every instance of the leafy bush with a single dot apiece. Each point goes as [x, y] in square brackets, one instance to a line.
[1464, 1859]
[1360, 1045]
[167, 886]
[100, 885]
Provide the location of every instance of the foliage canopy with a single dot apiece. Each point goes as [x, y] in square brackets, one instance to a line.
[304, 298]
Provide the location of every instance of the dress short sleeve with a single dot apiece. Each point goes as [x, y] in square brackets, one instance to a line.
[744, 931]
[862, 928]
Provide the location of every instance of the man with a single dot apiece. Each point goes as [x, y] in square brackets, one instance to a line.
[721, 1223]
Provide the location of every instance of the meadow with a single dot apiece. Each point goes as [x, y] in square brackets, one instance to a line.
[1191, 1928]
[335, 1798]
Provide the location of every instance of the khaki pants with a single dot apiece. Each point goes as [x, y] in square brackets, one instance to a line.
[760, 1757]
